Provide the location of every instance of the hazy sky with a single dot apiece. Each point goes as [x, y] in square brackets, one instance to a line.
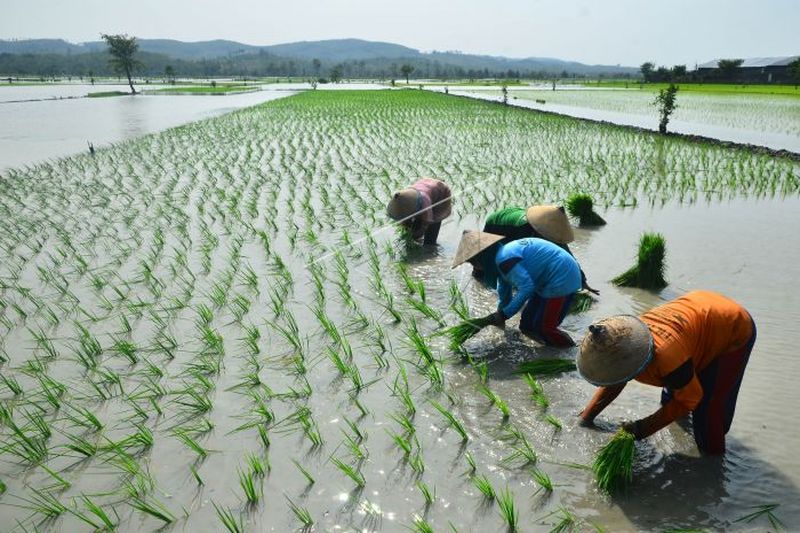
[626, 32]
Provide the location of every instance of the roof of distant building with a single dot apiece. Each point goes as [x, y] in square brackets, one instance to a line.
[756, 62]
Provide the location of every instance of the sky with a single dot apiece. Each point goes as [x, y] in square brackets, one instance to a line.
[611, 32]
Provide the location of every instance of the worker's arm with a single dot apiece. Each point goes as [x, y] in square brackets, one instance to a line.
[601, 399]
[584, 285]
[518, 276]
[686, 395]
[503, 293]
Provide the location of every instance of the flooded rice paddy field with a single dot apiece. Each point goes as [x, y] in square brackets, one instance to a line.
[215, 323]
[769, 120]
[37, 130]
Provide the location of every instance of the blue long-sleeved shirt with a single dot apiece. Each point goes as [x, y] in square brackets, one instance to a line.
[534, 266]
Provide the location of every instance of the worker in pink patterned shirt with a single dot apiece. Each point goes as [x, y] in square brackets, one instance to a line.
[421, 208]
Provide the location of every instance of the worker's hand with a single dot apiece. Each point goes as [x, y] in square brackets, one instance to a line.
[497, 319]
[633, 427]
[585, 422]
[593, 291]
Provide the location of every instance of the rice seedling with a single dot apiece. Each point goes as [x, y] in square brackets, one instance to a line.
[764, 510]
[229, 521]
[495, 400]
[553, 421]
[508, 509]
[105, 521]
[153, 508]
[568, 521]
[461, 333]
[306, 473]
[483, 484]
[471, 463]
[613, 463]
[251, 487]
[546, 367]
[537, 392]
[190, 443]
[402, 442]
[420, 525]
[452, 421]
[581, 207]
[196, 475]
[428, 495]
[543, 480]
[648, 273]
[301, 513]
[352, 472]
[45, 504]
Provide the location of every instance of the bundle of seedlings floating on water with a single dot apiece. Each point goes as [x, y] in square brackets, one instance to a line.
[613, 464]
[461, 333]
[581, 206]
[546, 367]
[648, 273]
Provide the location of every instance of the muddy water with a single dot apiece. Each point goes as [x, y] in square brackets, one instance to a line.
[743, 249]
[39, 130]
[734, 118]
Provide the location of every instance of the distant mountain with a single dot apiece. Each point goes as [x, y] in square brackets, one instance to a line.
[342, 50]
[356, 56]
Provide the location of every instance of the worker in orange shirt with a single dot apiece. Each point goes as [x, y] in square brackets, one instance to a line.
[696, 347]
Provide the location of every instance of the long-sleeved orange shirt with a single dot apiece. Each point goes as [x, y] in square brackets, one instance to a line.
[688, 334]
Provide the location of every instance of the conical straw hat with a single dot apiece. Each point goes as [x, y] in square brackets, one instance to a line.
[616, 350]
[551, 222]
[403, 204]
[472, 243]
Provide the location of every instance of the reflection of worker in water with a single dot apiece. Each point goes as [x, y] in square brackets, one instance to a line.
[696, 347]
[533, 273]
[421, 208]
[548, 222]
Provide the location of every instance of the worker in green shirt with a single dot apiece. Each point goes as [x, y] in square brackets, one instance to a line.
[548, 222]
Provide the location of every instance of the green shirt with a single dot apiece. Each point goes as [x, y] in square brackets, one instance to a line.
[510, 216]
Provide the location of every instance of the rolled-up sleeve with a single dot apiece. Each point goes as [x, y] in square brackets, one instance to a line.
[519, 278]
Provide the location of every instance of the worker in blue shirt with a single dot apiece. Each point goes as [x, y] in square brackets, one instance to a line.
[531, 274]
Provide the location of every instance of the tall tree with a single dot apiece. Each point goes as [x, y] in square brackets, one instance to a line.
[123, 49]
[794, 71]
[336, 73]
[729, 68]
[665, 102]
[169, 73]
[406, 70]
[647, 70]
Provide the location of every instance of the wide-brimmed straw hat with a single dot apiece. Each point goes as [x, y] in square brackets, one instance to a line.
[472, 243]
[551, 222]
[404, 204]
[616, 350]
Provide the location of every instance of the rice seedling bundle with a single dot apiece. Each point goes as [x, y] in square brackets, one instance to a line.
[648, 272]
[581, 302]
[581, 206]
[613, 463]
[546, 367]
[461, 333]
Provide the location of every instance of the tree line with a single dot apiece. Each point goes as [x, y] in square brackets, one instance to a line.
[727, 71]
[263, 64]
